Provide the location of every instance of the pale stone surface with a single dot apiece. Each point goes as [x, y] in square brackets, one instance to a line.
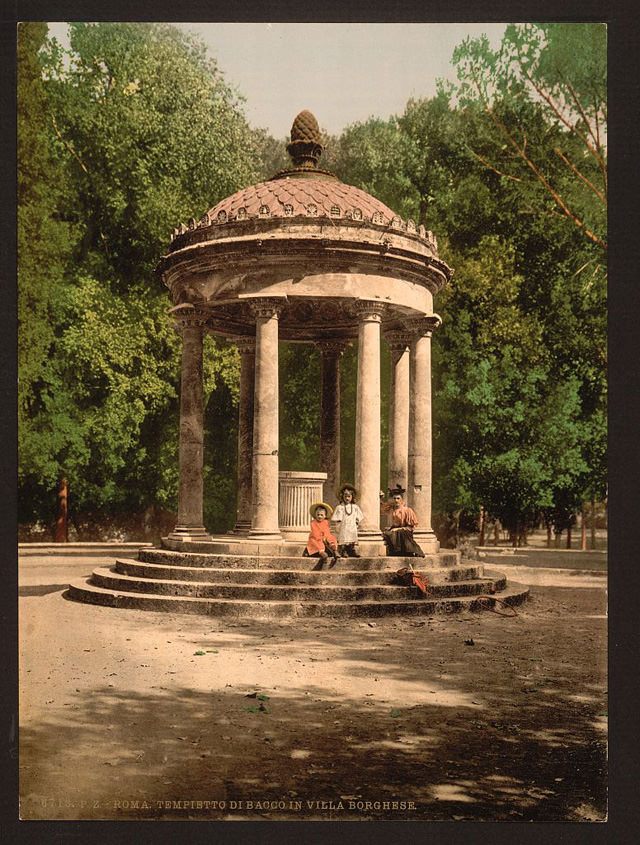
[298, 491]
[398, 408]
[247, 347]
[190, 485]
[368, 418]
[320, 260]
[264, 523]
[420, 433]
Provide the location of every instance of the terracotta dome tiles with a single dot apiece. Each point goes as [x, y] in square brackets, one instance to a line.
[311, 198]
[308, 197]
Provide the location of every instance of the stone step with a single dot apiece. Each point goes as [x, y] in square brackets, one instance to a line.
[340, 574]
[233, 561]
[109, 578]
[85, 591]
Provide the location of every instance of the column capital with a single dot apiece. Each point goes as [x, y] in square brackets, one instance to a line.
[370, 311]
[423, 326]
[332, 348]
[246, 344]
[188, 316]
[266, 306]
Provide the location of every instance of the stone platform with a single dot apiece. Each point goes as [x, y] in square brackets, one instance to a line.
[264, 586]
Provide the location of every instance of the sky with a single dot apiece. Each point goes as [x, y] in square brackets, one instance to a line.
[343, 73]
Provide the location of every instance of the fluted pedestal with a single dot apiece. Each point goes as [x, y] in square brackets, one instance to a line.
[298, 491]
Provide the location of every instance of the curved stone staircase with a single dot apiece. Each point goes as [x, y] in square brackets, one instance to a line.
[264, 587]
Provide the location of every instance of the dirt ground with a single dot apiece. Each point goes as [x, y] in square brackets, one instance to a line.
[142, 715]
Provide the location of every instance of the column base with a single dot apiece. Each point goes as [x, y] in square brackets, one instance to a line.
[427, 541]
[190, 534]
[261, 534]
[241, 528]
[369, 535]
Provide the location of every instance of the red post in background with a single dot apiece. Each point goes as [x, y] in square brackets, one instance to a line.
[61, 531]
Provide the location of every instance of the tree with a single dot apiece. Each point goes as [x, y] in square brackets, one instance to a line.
[562, 69]
[145, 133]
[44, 240]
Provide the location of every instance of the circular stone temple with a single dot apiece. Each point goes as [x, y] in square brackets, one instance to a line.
[304, 258]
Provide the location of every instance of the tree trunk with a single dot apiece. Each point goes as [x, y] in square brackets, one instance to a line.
[549, 536]
[569, 536]
[496, 532]
[481, 526]
[61, 533]
[593, 523]
[583, 529]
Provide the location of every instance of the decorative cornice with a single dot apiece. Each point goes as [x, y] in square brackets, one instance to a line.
[266, 306]
[332, 348]
[398, 340]
[246, 344]
[423, 326]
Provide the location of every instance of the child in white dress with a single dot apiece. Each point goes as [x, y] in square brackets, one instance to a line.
[347, 516]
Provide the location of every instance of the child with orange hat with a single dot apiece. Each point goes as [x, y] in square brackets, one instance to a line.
[321, 543]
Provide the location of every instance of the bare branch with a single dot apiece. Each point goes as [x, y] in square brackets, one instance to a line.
[68, 145]
[495, 170]
[603, 356]
[569, 124]
[580, 176]
[591, 235]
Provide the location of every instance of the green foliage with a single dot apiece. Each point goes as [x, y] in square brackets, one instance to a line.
[299, 413]
[132, 131]
[44, 241]
[152, 134]
[136, 129]
[560, 72]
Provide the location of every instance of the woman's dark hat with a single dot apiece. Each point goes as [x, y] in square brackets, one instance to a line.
[346, 486]
[397, 491]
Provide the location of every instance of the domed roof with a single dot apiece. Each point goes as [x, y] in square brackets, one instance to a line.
[308, 241]
[303, 192]
[289, 196]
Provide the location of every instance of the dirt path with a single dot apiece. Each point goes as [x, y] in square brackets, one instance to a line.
[139, 715]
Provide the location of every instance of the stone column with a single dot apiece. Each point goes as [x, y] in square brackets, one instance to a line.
[330, 416]
[399, 343]
[420, 435]
[247, 348]
[190, 323]
[368, 417]
[265, 486]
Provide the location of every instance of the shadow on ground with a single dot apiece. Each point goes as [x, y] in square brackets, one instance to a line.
[490, 719]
